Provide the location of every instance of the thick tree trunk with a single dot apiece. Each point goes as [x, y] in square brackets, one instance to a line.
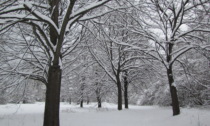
[126, 90]
[119, 98]
[52, 101]
[175, 101]
[119, 89]
[173, 91]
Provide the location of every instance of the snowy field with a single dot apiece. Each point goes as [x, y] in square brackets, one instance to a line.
[90, 115]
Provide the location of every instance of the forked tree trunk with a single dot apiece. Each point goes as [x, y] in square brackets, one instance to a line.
[52, 101]
[173, 91]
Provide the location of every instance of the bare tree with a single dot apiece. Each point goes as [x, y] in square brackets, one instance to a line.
[172, 29]
[50, 21]
[114, 57]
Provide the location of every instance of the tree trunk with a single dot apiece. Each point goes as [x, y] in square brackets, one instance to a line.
[175, 101]
[54, 9]
[81, 103]
[69, 100]
[88, 100]
[99, 102]
[126, 90]
[126, 95]
[119, 88]
[173, 91]
[98, 97]
[82, 93]
[52, 101]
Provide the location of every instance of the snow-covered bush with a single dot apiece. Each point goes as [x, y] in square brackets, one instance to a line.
[192, 94]
[194, 80]
[189, 94]
[3, 100]
[157, 94]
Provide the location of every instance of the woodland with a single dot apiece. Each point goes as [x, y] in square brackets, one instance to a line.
[139, 52]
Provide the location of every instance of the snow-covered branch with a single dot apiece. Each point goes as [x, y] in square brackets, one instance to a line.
[87, 8]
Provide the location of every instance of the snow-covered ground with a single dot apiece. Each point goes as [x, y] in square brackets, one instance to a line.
[90, 115]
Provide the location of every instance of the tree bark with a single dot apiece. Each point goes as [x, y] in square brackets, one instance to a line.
[119, 89]
[69, 100]
[173, 91]
[126, 90]
[82, 93]
[88, 100]
[98, 96]
[54, 9]
[99, 102]
[52, 101]
[81, 103]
